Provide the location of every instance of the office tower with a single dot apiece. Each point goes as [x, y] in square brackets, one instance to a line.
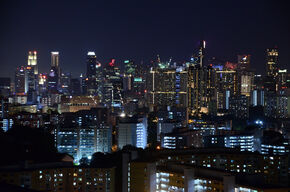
[42, 84]
[32, 61]
[129, 74]
[132, 131]
[244, 62]
[201, 90]
[245, 82]
[245, 78]
[283, 79]
[181, 86]
[258, 82]
[55, 59]
[52, 81]
[283, 104]
[5, 86]
[226, 86]
[269, 84]
[75, 87]
[32, 82]
[83, 82]
[257, 97]
[239, 106]
[161, 86]
[65, 83]
[94, 74]
[272, 62]
[20, 81]
[112, 86]
[55, 64]
[198, 58]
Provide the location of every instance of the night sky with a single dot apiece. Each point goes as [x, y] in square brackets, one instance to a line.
[139, 30]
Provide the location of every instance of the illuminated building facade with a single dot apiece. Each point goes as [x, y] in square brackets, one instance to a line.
[65, 84]
[244, 62]
[32, 61]
[83, 133]
[62, 178]
[272, 62]
[20, 81]
[239, 106]
[92, 67]
[161, 86]
[181, 86]
[201, 90]
[112, 86]
[245, 84]
[55, 63]
[32, 84]
[132, 131]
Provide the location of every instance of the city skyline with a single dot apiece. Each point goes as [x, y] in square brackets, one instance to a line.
[123, 31]
[155, 96]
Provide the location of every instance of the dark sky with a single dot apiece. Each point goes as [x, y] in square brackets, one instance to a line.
[139, 30]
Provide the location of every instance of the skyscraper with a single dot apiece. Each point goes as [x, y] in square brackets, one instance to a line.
[32, 61]
[31, 84]
[272, 62]
[54, 59]
[91, 73]
[244, 62]
[55, 64]
[201, 85]
[20, 87]
[112, 86]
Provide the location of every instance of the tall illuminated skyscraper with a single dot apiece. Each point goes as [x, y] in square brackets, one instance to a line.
[91, 73]
[54, 58]
[31, 77]
[198, 56]
[201, 85]
[272, 62]
[20, 81]
[32, 61]
[55, 64]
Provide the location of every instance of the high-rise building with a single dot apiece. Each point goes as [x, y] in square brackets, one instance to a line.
[239, 106]
[93, 69]
[32, 61]
[283, 79]
[52, 80]
[65, 83]
[75, 87]
[5, 86]
[181, 86]
[83, 133]
[161, 86]
[272, 62]
[129, 74]
[132, 131]
[32, 86]
[54, 59]
[20, 81]
[245, 82]
[112, 86]
[42, 84]
[244, 62]
[201, 90]
[55, 64]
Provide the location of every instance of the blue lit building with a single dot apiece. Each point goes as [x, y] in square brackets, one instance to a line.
[132, 131]
[83, 133]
